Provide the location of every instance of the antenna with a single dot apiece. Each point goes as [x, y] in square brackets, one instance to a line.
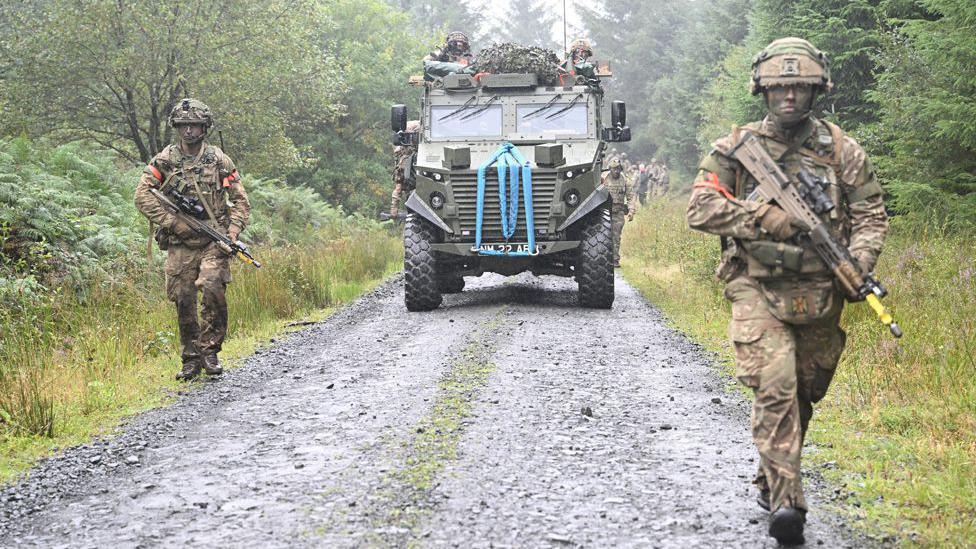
[565, 43]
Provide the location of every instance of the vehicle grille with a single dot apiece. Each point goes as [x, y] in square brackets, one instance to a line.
[465, 187]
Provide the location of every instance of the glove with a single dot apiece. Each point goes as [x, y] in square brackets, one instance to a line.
[233, 232]
[776, 222]
[863, 263]
[182, 229]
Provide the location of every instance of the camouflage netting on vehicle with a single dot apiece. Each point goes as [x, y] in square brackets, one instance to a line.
[511, 57]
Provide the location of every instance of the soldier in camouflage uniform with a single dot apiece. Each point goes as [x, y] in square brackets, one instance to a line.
[194, 263]
[456, 49]
[401, 161]
[785, 321]
[659, 177]
[624, 197]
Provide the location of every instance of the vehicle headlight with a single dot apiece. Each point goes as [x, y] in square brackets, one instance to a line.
[438, 177]
[572, 198]
[570, 174]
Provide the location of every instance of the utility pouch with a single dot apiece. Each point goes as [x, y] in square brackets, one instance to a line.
[776, 254]
[801, 301]
[162, 237]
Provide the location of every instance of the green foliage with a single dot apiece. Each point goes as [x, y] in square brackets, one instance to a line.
[899, 421]
[442, 16]
[349, 161]
[110, 72]
[928, 117]
[529, 23]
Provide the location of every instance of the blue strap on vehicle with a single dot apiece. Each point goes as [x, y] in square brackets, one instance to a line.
[507, 161]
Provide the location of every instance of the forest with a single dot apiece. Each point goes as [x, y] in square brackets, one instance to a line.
[301, 91]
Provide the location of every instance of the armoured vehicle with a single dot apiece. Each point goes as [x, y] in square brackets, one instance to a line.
[507, 179]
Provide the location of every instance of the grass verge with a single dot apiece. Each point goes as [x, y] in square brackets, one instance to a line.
[897, 431]
[73, 367]
[434, 440]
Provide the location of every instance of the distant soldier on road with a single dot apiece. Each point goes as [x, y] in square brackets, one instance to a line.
[194, 263]
[659, 177]
[785, 304]
[624, 197]
[401, 163]
[643, 182]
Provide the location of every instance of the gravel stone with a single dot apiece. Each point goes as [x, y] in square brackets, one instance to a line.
[264, 459]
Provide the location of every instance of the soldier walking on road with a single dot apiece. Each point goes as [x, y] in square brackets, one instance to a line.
[194, 263]
[401, 163]
[785, 320]
[643, 182]
[660, 178]
[624, 198]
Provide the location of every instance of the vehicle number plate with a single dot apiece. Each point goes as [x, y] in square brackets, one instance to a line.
[505, 248]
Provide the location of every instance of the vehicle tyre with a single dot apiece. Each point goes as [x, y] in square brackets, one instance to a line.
[421, 291]
[594, 264]
[450, 283]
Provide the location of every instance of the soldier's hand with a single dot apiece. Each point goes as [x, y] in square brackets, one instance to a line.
[776, 222]
[181, 229]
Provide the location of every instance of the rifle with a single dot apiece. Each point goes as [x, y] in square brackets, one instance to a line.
[187, 210]
[386, 216]
[804, 204]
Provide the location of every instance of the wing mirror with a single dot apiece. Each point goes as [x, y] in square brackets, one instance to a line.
[618, 131]
[398, 118]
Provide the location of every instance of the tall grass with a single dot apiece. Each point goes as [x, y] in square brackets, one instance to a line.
[900, 418]
[71, 367]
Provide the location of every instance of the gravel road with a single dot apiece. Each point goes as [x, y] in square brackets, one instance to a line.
[509, 417]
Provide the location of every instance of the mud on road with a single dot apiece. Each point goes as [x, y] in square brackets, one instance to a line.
[508, 417]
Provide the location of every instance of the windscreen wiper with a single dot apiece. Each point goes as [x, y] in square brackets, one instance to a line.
[459, 110]
[566, 108]
[544, 108]
[481, 109]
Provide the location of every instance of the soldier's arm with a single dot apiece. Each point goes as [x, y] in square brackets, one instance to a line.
[714, 209]
[240, 206]
[865, 204]
[152, 177]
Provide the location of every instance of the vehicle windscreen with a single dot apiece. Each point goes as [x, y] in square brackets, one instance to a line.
[560, 119]
[447, 121]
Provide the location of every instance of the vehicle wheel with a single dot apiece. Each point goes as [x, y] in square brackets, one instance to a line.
[594, 265]
[450, 283]
[421, 292]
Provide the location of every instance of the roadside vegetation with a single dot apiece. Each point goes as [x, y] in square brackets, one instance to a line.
[86, 333]
[896, 434]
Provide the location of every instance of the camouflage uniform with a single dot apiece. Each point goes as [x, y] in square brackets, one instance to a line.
[401, 162]
[660, 178]
[196, 264]
[456, 49]
[785, 323]
[624, 197]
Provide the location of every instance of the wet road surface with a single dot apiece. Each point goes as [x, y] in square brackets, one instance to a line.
[509, 417]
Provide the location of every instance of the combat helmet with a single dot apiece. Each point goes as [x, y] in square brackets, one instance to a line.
[789, 61]
[581, 44]
[191, 111]
[614, 163]
[458, 36]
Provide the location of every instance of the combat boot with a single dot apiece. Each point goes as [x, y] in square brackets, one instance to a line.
[211, 366]
[763, 498]
[786, 525]
[191, 369]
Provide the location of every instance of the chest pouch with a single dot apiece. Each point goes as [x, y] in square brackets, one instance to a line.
[803, 301]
